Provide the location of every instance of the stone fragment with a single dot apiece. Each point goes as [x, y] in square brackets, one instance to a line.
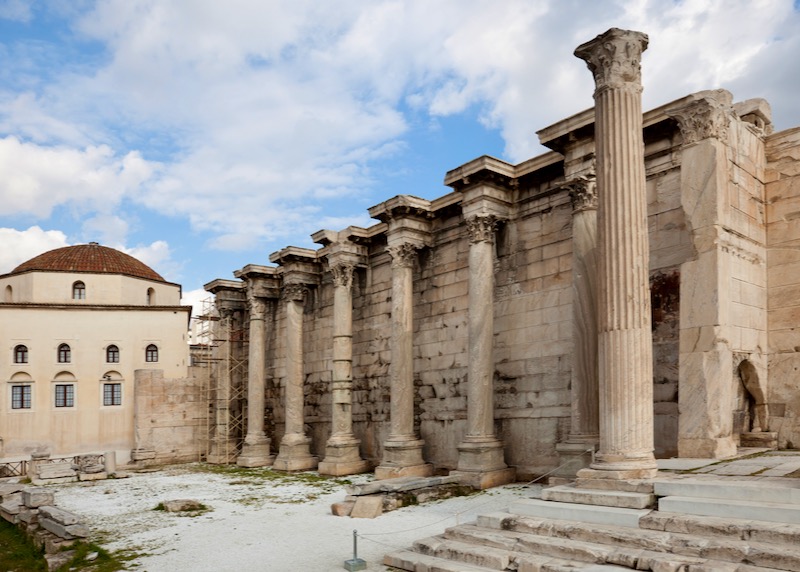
[368, 507]
[36, 497]
[342, 508]
[67, 532]
[58, 515]
[55, 471]
[96, 476]
[57, 560]
[183, 505]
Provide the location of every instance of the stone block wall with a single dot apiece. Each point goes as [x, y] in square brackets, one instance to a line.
[783, 292]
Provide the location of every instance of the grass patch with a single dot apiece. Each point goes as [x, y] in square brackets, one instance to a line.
[262, 475]
[91, 557]
[17, 553]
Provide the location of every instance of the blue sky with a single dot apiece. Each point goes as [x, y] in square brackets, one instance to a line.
[201, 135]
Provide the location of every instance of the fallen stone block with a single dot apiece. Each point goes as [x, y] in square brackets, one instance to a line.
[10, 488]
[68, 532]
[53, 544]
[55, 471]
[36, 497]
[182, 505]
[342, 508]
[98, 476]
[57, 560]
[368, 507]
[59, 515]
[28, 515]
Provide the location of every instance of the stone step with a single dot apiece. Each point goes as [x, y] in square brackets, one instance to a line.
[413, 561]
[578, 512]
[732, 549]
[620, 499]
[725, 508]
[729, 528]
[782, 492]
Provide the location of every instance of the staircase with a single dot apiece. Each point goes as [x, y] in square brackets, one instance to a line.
[700, 525]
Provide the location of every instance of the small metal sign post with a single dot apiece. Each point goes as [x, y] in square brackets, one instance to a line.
[356, 563]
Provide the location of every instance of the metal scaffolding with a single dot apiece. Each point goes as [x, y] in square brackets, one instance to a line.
[221, 354]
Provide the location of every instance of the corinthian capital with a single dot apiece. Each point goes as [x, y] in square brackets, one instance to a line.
[294, 292]
[614, 58]
[481, 228]
[256, 304]
[403, 255]
[343, 274]
[707, 115]
[583, 193]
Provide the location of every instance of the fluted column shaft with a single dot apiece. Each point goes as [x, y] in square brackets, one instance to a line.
[342, 416]
[625, 341]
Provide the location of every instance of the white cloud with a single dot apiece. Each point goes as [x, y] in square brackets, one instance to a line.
[268, 115]
[22, 245]
[36, 179]
[156, 255]
[16, 10]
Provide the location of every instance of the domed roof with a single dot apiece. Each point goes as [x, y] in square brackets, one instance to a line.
[88, 258]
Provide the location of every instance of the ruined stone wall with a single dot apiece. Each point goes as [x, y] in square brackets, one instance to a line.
[783, 240]
[170, 418]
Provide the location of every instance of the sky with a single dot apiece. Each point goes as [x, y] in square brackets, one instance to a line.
[201, 136]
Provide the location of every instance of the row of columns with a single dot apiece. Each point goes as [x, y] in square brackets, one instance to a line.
[614, 406]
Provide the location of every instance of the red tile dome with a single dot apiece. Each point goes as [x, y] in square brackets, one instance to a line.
[88, 258]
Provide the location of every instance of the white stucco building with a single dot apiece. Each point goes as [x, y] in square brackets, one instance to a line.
[76, 323]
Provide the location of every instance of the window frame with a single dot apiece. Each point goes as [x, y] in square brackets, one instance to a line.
[79, 290]
[112, 353]
[21, 396]
[67, 400]
[112, 394]
[21, 354]
[64, 353]
[151, 353]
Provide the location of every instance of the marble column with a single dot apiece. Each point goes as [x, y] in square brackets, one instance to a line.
[575, 451]
[625, 347]
[294, 453]
[402, 456]
[342, 455]
[481, 452]
[255, 451]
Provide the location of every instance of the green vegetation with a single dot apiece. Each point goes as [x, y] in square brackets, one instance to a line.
[259, 475]
[17, 553]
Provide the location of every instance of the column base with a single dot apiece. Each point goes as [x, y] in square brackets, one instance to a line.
[343, 458]
[223, 452]
[706, 448]
[403, 458]
[295, 454]
[572, 457]
[255, 454]
[616, 475]
[481, 455]
[761, 439]
[480, 480]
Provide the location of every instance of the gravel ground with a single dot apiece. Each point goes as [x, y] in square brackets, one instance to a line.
[257, 520]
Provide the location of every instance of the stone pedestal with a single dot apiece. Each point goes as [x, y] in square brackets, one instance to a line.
[255, 451]
[342, 456]
[295, 448]
[402, 454]
[625, 348]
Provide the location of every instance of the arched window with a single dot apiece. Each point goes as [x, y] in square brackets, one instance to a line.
[79, 291]
[64, 353]
[112, 354]
[9, 295]
[151, 353]
[151, 297]
[21, 354]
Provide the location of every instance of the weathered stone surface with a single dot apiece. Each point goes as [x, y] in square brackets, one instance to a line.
[342, 508]
[182, 505]
[58, 515]
[35, 497]
[55, 471]
[367, 507]
[67, 532]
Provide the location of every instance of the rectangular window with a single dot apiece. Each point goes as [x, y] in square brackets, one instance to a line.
[112, 394]
[20, 397]
[65, 395]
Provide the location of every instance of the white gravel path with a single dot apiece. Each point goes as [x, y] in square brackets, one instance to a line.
[255, 523]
